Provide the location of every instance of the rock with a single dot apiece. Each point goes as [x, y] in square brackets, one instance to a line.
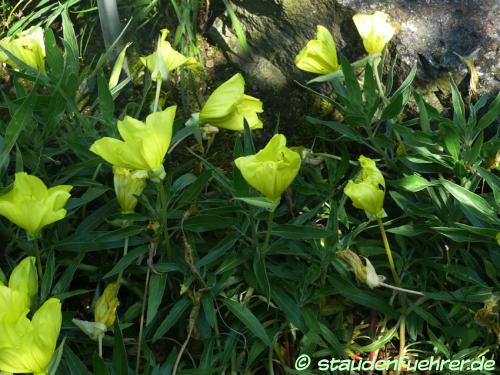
[430, 34]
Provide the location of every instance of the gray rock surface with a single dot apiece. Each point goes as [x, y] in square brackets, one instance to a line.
[430, 33]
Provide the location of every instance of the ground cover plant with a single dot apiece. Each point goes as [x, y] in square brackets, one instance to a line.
[143, 229]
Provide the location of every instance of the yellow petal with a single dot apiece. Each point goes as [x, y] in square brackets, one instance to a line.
[319, 55]
[375, 31]
[31, 205]
[28, 47]
[106, 305]
[24, 278]
[166, 59]
[128, 186]
[145, 144]
[34, 349]
[119, 153]
[228, 106]
[272, 169]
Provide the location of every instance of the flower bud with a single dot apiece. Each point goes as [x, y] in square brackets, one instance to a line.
[106, 305]
[128, 186]
[367, 192]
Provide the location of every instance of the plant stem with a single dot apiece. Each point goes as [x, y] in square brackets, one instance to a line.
[402, 326]
[164, 219]
[157, 96]
[402, 339]
[265, 248]
[125, 251]
[99, 340]
[409, 291]
[141, 324]
[381, 90]
[38, 258]
[389, 252]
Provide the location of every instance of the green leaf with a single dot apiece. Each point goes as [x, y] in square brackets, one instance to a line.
[425, 315]
[259, 202]
[452, 140]
[73, 363]
[380, 342]
[406, 83]
[425, 124]
[286, 303]
[117, 67]
[489, 117]
[238, 28]
[157, 285]
[352, 84]
[413, 183]
[248, 319]
[106, 104]
[458, 104]
[471, 200]
[173, 317]
[125, 261]
[99, 365]
[56, 359]
[472, 294]
[438, 344]
[300, 232]
[48, 275]
[343, 129]
[20, 119]
[120, 365]
[394, 108]
[70, 41]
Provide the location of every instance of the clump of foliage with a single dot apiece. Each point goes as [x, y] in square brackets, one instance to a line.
[381, 242]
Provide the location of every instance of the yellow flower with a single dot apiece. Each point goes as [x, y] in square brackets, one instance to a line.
[27, 47]
[106, 305]
[374, 30]
[166, 59]
[27, 346]
[319, 55]
[128, 185]
[144, 145]
[272, 169]
[31, 205]
[367, 192]
[228, 106]
[24, 278]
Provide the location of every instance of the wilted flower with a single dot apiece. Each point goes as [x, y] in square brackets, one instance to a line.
[319, 55]
[272, 169]
[27, 346]
[24, 278]
[165, 59]
[104, 314]
[27, 47]
[106, 305]
[128, 186]
[228, 106]
[488, 315]
[365, 274]
[374, 30]
[144, 145]
[367, 192]
[31, 205]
